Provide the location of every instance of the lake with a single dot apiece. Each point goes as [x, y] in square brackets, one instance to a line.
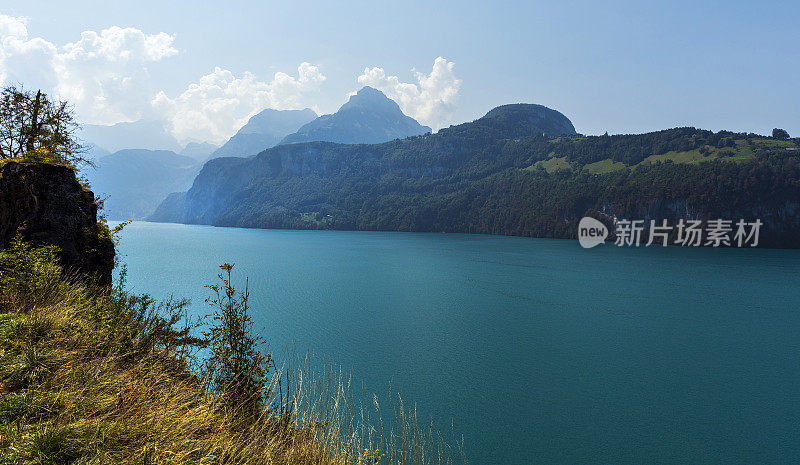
[535, 350]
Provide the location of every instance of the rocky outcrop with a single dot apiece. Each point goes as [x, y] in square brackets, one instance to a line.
[48, 206]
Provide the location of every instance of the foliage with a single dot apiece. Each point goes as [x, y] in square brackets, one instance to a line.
[27, 274]
[467, 179]
[780, 134]
[137, 324]
[86, 377]
[35, 129]
[235, 367]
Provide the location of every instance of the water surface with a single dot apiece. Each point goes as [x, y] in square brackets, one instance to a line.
[536, 350]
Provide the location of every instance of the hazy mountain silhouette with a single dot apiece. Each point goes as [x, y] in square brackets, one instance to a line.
[369, 117]
[263, 131]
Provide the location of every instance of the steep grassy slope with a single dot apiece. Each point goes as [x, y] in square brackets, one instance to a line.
[91, 376]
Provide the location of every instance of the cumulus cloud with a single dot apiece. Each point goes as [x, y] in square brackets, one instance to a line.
[24, 58]
[219, 103]
[103, 74]
[431, 100]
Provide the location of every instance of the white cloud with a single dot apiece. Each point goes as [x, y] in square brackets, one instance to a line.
[216, 106]
[22, 58]
[103, 74]
[430, 101]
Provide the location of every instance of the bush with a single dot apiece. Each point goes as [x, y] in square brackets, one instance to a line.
[780, 134]
[235, 368]
[28, 275]
[137, 324]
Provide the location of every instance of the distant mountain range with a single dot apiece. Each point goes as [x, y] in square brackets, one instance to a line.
[135, 181]
[149, 135]
[198, 150]
[369, 117]
[274, 182]
[263, 131]
[138, 176]
[519, 170]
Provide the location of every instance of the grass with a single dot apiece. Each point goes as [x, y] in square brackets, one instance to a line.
[773, 143]
[690, 157]
[86, 377]
[551, 165]
[605, 166]
[741, 152]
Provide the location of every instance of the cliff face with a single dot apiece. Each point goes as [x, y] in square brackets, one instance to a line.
[48, 206]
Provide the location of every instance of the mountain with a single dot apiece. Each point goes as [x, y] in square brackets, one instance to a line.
[263, 131]
[198, 150]
[135, 181]
[525, 119]
[369, 117]
[149, 135]
[519, 170]
[95, 152]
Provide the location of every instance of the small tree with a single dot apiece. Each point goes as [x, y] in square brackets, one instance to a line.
[33, 128]
[780, 134]
[235, 368]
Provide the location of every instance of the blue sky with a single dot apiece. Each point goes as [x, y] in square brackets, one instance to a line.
[621, 67]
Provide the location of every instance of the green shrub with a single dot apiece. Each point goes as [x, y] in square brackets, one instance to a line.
[137, 324]
[28, 275]
[235, 368]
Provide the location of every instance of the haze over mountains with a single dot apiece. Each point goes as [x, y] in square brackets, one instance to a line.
[263, 131]
[198, 150]
[519, 170]
[369, 117]
[137, 177]
[135, 181]
[149, 135]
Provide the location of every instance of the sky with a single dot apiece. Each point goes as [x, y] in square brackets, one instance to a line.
[205, 67]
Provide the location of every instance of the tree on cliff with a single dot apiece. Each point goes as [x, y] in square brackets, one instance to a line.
[34, 128]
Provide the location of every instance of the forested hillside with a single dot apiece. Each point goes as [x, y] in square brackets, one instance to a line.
[520, 170]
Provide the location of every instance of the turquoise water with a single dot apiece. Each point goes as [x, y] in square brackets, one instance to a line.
[535, 350]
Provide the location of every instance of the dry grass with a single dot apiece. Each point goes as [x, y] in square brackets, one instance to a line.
[72, 394]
